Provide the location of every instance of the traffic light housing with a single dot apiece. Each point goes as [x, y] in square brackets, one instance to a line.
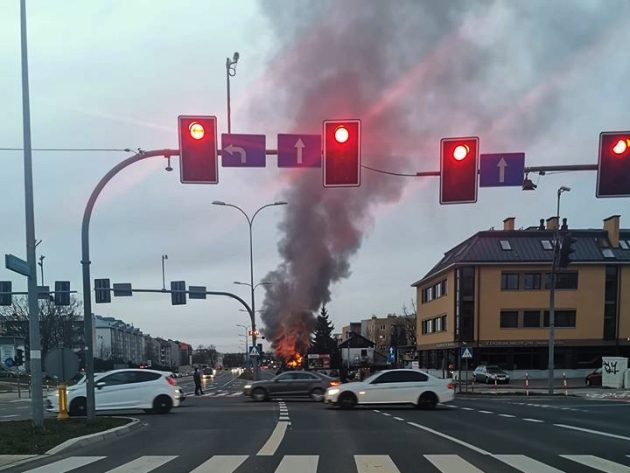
[5, 293]
[459, 164]
[178, 292]
[19, 357]
[342, 153]
[613, 166]
[198, 161]
[102, 291]
[566, 250]
[62, 293]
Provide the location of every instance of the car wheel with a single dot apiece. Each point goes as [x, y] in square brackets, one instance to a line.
[259, 394]
[78, 407]
[317, 394]
[162, 405]
[427, 401]
[347, 401]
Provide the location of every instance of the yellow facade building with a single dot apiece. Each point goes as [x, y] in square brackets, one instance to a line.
[491, 293]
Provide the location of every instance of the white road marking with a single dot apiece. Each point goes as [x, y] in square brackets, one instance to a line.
[596, 432]
[386, 414]
[468, 408]
[485, 412]
[221, 464]
[374, 464]
[526, 464]
[9, 415]
[220, 394]
[452, 464]
[376, 410]
[283, 418]
[507, 415]
[597, 463]
[67, 464]
[235, 394]
[274, 440]
[143, 464]
[298, 464]
[532, 420]
[399, 418]
[448, 437]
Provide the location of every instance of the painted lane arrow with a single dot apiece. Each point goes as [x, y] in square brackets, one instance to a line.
[237, 149]
[299, 146]
[502, 165]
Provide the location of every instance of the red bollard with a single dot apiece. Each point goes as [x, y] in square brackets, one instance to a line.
[564, 381]
[527, 384]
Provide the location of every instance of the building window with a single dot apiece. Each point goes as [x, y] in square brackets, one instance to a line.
[546, 244]
[509, 281]
[438, 290]
[531, 318]
[505, 245]
[509, 319]
[608, 253]
[438, 324]
[531, 281]
[624, 245]
[567, 280]
[563, 318]
[443, 323]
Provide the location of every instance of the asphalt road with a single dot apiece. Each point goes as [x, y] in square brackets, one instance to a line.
[472, 435]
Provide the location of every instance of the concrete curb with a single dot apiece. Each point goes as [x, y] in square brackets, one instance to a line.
[83, 441]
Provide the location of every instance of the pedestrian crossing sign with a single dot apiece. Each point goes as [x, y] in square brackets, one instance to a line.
[466, 352]
[254, 352]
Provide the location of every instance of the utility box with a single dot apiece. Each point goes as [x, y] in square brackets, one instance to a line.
[613, 371]
[626, 383]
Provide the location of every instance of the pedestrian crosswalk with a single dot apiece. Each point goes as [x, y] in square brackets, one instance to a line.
[438, 463]
[217, 394]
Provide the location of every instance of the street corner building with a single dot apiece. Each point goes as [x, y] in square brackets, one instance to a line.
[491, 293]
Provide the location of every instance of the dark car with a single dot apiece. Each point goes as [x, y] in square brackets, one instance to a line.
[490, 374]
[594, 378]
[291, 384]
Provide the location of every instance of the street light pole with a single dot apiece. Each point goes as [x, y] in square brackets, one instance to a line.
[552, 294]
[230, 69]
[250, 222]
[35, 359]
[41, 266]
[246, 327]
[164, 257]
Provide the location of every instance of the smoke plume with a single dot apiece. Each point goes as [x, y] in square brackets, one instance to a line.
[412, 71]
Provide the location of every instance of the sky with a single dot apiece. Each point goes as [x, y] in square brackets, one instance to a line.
[543, 78]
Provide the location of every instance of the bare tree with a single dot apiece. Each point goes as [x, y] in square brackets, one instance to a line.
[59, 325]
[410, 323]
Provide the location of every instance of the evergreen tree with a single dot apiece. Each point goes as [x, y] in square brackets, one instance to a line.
[323, 342]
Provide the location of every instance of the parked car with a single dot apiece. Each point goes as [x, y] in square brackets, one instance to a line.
[594, 378]
[489, 374]
[152, 391]
[291, 384]
[400, 386]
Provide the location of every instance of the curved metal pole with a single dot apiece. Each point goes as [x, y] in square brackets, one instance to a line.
[85, 262]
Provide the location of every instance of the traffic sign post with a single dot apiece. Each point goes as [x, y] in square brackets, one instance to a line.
[243, 151]
[465, 353]
[501, 170]
[254, 351]
[299, 150]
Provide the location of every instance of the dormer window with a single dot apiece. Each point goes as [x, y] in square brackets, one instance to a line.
[505, 245]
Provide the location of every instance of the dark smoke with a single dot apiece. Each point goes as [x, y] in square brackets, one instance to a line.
[413, 71]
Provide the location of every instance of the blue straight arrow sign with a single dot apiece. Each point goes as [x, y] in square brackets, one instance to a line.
[501, 170]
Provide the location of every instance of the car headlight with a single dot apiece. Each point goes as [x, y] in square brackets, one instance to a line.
[248, 386]
[333, 391]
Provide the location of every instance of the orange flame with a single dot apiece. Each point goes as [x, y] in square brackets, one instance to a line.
[296, 361]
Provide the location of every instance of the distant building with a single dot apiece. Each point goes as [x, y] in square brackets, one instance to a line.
[353, 327]
[117, 340]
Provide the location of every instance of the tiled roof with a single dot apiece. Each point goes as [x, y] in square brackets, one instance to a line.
[526, 246]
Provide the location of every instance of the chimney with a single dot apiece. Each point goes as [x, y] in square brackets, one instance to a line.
[508, 224]
[552, 223]
[611, 225]
[541, 226]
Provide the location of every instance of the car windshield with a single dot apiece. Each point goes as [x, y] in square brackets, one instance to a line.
[495, 369]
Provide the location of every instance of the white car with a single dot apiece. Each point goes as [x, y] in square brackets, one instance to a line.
[152, 391]
[404, 386]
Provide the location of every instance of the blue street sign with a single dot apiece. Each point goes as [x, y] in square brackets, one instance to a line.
[465, 352]
[9, 363]
[501, 170]
[299, 151]
[243, 151]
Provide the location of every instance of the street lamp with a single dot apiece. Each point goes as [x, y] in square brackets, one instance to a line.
[250, 222]
[230, 69]
[41, 265]
[164, 257]
[246, 327]
[552, 292]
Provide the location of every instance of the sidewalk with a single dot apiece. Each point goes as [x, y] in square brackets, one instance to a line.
[538, 387]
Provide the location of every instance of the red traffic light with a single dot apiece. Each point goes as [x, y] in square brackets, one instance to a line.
[342, 153]
[198, 162]
[613, 166]
[459, 164]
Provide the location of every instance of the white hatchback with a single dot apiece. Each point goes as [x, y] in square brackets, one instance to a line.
[152, 391]
[403, 386]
